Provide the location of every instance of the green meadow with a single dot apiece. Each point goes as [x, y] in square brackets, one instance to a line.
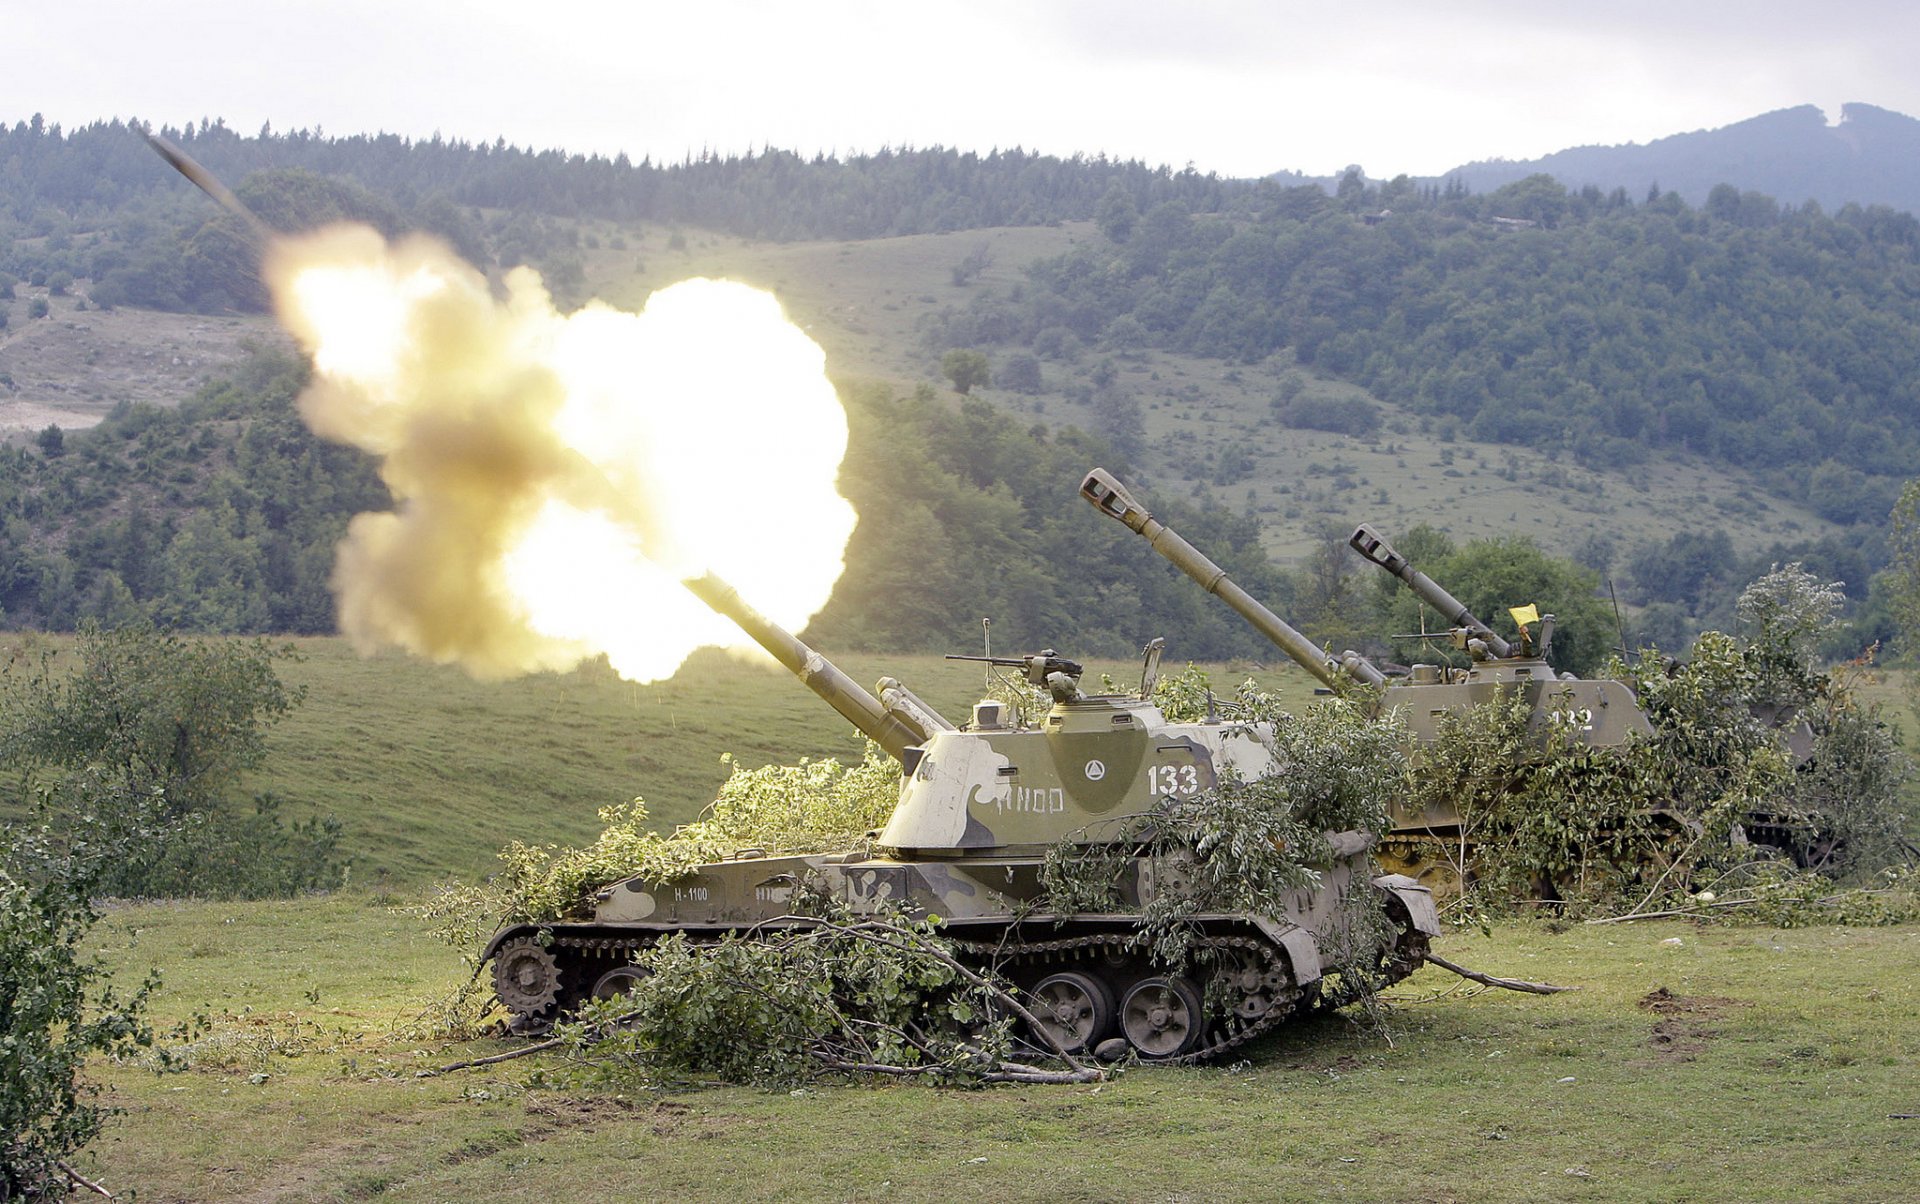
[1702, 1064]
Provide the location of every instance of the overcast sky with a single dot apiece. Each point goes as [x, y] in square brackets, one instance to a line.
[1235, 86]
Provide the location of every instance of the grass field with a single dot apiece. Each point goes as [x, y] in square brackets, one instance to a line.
[1768, 1069]
[1770, 1073]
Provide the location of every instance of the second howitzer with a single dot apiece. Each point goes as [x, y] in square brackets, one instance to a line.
[1601, 713]
[1597, 712]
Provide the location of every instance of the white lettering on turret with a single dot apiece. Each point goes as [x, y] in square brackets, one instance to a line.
[690, 894]
[1035, 800]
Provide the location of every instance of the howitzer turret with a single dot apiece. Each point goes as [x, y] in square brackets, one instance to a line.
[1112, 499]
[978, 811]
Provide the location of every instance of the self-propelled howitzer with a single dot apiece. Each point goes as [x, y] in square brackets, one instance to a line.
[1601, 713]
[979, 808]
[1597, 712]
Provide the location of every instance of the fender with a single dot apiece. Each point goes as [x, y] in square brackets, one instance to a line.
[1302, 950]
[1421, 912]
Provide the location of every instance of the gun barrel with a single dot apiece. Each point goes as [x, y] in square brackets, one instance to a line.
[1111, 498]
[890, 728]
[1374, 546]
[210, 184]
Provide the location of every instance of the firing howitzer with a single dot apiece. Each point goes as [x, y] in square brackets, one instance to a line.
[962, 848]
[1111, 498]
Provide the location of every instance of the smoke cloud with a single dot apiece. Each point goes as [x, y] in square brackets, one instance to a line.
[555, 476]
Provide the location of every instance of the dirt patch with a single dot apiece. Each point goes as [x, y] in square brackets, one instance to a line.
[72, 368]
[1684, 1027]
[566, 1111]
[664, 1118]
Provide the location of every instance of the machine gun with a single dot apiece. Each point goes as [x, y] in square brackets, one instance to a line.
[1046, 669]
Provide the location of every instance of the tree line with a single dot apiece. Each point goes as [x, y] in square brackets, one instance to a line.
[96, 203]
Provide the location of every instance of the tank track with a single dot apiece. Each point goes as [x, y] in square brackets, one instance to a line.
[1222, 1037]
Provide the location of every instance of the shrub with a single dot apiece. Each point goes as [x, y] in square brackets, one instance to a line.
[57, 1009]
[1020, 372]
[177, 721]
[1353, 416]
[966, 369]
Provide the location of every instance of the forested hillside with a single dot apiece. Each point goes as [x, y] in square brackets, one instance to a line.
[1605, 329]
[1761, 336]
[97, 203]
[1783, 340]
[222, 515]
[218, 515]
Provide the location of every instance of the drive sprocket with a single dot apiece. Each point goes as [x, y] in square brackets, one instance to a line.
[526, 976]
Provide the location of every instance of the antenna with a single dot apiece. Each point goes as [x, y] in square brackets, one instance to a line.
[1150, 666]
[986, 643]
[1619, 624]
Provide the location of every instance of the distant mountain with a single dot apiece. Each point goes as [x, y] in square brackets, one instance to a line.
[1872, 156]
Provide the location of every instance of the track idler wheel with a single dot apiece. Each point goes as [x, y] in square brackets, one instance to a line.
[1254, 986]
[1161, 1017]
[1075, 1009]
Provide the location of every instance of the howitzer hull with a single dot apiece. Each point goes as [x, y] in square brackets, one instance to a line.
[1597, 713]
[1256, 970]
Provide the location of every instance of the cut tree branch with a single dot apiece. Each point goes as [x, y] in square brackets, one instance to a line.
[889, 937]
[1510, 984]
[80, 1180]
[1717, 905]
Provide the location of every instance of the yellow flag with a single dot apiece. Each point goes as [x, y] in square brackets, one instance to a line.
[1523, 615]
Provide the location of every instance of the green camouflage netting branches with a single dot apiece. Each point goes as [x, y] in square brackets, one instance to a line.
[1756, 754]
[854, 994]
[813, 807]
